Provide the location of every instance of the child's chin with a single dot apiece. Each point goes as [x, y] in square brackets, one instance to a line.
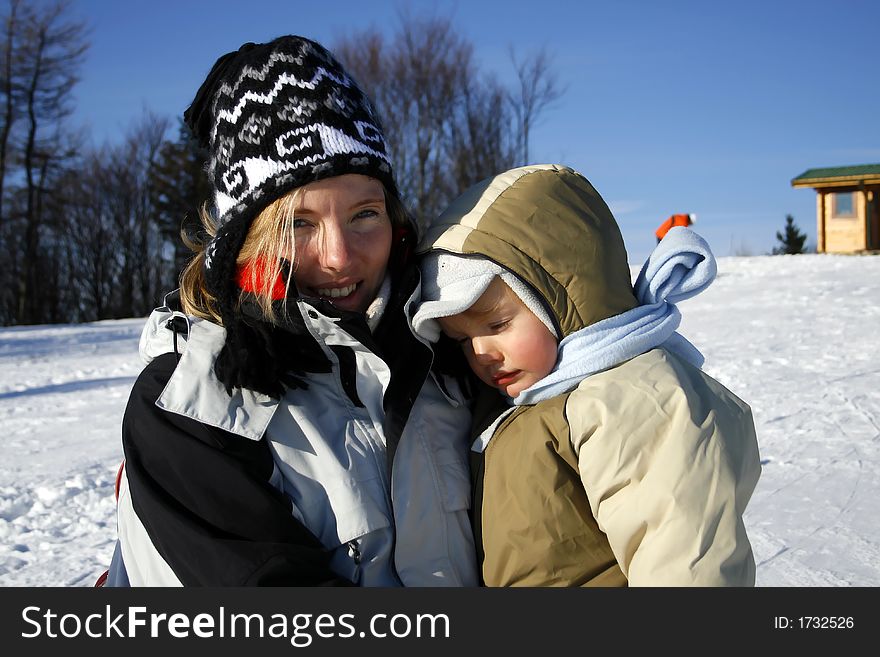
[510, 391]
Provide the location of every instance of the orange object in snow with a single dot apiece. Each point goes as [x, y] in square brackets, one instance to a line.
[674, 220]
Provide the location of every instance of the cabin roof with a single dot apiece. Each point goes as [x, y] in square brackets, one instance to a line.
[838, 176]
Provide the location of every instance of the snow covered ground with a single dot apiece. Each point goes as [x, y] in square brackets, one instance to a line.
[795, 336]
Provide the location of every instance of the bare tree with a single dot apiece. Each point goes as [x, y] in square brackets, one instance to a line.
[91, 253]
[9, 90]
[539, 88]
[127, 176]
[51, 50]
[147, 142]
[418, 84]
[448, 124]
[115, 243]
[480, 143]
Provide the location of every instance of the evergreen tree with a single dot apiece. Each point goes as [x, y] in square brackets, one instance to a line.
[792, 242]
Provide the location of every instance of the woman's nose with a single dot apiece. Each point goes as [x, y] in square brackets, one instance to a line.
[335, 249]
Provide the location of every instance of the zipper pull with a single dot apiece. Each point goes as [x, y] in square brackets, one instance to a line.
[354, 551]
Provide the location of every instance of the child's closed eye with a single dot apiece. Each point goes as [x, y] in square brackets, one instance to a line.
[455, 337]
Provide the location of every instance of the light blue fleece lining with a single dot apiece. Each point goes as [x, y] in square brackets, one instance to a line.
[681, 266]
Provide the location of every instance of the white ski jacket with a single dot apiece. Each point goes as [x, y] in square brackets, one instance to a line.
[198, 478]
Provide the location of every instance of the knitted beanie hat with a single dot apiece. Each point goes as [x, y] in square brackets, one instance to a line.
[452, 283]
[273, 117]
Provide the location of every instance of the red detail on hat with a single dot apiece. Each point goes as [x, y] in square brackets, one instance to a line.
[257, 283]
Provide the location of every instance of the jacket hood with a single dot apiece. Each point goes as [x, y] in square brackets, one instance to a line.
[552, 229]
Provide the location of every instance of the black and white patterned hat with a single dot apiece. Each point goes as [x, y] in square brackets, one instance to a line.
[273, 117]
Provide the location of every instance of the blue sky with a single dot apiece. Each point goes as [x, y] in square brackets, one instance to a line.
[671, 106]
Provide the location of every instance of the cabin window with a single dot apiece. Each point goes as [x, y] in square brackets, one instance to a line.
[843, 205]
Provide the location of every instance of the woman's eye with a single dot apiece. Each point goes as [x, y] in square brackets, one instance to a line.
[497, 326]
[300, 223]
[366, 214]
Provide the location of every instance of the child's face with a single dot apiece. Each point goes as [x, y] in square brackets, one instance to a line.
[505, 343]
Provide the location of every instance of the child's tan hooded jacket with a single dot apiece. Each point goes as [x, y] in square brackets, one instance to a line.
[639, 475]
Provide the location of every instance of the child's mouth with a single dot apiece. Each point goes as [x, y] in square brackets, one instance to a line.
[503, 379]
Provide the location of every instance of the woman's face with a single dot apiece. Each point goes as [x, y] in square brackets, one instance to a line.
[343, 240]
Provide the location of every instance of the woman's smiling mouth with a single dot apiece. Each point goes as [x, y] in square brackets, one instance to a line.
[336, 292]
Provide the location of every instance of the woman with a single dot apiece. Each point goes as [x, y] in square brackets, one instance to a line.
[288, 429]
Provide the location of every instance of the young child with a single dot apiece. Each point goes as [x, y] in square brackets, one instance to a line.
[618, 461]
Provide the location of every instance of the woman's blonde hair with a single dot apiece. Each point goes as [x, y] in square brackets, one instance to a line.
[269, 241]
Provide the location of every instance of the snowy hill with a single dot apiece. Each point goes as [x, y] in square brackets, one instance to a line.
[794, 336]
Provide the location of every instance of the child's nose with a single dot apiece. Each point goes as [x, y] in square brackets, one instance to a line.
[485, 351]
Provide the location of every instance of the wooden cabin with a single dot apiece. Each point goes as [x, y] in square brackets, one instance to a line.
[847, 207]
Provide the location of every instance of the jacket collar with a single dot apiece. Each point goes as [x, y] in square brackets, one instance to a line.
[193, 390]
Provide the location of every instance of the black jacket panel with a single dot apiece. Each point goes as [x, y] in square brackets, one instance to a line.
[204, 497]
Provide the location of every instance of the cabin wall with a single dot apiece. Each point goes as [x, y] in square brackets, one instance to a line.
[844, 233]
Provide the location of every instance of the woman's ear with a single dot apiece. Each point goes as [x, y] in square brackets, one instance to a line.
[402, 247]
